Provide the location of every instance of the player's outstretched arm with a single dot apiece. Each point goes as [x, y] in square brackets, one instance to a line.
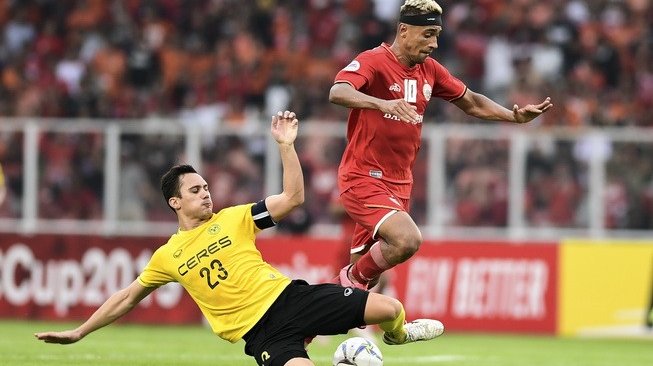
[345, 95]
[116, 306]
[478, 105]
[284, 130]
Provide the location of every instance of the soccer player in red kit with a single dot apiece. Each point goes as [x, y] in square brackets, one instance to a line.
[388, 89]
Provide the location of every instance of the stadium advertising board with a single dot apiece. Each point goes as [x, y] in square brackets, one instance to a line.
[67, 277]
[482, 286]
[605, 287]
[467, 285]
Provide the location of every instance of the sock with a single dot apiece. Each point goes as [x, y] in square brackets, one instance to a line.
[370, 265]
[395, 327]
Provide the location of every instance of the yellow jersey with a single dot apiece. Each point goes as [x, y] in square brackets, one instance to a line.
[219, 266]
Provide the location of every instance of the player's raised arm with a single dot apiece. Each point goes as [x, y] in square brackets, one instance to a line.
[478, 105]
[119, 304]
[284, 130]
[346, 95]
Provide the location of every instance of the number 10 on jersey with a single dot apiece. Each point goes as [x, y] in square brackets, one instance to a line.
[410, 90]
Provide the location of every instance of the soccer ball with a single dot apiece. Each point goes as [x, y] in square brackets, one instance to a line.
[357, 351]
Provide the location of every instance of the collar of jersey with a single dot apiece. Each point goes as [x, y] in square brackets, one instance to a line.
[196, 229]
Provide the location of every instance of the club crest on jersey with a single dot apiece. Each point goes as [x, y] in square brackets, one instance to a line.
[353, 66]
[395, 88]
[427, 91]
[213, 229]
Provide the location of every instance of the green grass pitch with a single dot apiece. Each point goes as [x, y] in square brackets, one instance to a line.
[136, 345]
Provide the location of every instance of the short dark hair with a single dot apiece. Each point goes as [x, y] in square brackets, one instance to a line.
[170, 182]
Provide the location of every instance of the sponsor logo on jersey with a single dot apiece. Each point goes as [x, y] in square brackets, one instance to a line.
[203, 255]
[393, 117]
[177, 253]
[348, 291]
[353, 66]
[376, 174]
[395, 88]
[427, 91]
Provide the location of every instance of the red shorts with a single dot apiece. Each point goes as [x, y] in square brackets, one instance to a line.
[370, 202]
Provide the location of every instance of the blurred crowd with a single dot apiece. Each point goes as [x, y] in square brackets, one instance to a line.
[226, 64]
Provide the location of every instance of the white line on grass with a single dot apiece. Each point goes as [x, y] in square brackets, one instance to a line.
[403, 360]
[411, 360]
[426, 359]
[148, 356]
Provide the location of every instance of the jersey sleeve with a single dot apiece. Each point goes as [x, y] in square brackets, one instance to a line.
[358, 73]
[154, 273]
[447, 86]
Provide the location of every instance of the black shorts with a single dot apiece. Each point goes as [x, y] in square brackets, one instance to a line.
[301, 311]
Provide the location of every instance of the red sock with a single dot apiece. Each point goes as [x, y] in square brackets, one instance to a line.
[370, 265]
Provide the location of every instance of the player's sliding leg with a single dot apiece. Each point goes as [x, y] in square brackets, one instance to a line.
[417, 330]
[389, 314]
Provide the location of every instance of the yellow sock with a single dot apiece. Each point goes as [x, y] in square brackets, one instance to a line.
[395, 327]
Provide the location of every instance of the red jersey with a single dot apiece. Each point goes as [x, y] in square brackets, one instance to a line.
[381, 145]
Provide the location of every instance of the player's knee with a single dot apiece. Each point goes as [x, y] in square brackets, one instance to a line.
[381, 308]
[408, 244]
[397, 308]
[392, 308]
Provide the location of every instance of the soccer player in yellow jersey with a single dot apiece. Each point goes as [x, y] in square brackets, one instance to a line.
[214, 257]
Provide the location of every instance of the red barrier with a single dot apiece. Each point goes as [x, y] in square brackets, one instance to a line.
[468, 285]
[481, 286]
[67, 277]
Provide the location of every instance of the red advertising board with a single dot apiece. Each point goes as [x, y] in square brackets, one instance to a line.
[482, 286]
[67, 277]
[468, 285]
[472, 285]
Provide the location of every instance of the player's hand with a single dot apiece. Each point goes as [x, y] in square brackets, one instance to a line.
[65, 337]
[284, 127]
[530, 111]
[402, 109]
